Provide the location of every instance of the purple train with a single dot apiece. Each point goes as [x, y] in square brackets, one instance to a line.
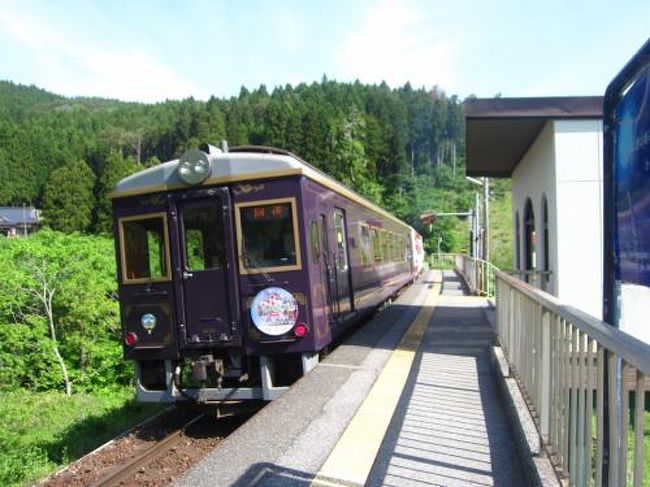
[237, 267]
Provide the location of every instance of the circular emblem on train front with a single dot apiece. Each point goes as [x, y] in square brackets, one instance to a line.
[148, 322]
[274, 311]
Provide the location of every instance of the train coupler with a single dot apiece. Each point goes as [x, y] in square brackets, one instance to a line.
[200, 368]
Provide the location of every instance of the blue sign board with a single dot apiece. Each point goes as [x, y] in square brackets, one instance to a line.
[632, 183]
[627, 197]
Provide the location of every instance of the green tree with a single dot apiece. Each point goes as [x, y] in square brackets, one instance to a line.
[116, 167]
[58, 305]
[68, 200]
[349, 163]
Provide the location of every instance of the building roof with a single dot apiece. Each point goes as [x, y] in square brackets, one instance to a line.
[499, 131]
[11, 216]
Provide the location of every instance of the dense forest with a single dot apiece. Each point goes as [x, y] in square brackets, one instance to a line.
[402, 148]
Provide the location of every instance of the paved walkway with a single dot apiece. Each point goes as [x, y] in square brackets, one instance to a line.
[449, 427]
[432, 409]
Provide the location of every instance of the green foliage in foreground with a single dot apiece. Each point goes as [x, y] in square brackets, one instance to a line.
[79, 271]
[646, 446]
[41, 432]
[501, 250]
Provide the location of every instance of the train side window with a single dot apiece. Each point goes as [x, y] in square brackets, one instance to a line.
[268, 236]
[364, 238]
[314, 240]
[341, 242]
[376, 245]
[144, 248]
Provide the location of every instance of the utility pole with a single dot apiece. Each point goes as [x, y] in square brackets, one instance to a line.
[485, 242]
[486, 219]
[477, 229]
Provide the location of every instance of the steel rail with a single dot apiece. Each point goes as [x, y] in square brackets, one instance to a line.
[127, 469]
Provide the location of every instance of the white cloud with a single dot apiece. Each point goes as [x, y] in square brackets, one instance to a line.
[79, 67]
[396, 43]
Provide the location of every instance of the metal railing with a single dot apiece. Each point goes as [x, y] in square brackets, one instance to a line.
[442, 261]
[539, 279]
[479, 274]
[583, 380]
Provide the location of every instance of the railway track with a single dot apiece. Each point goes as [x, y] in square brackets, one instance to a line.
[155, 452]
[123, 472]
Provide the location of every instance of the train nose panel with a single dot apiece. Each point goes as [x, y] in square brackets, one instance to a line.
[210, 329]
[147, 319]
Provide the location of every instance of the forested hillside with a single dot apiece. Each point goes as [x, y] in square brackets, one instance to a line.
[402, 148]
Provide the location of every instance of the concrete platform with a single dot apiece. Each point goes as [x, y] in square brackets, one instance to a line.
[410, 399]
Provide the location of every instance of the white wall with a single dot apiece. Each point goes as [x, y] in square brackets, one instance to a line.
[579, 172]
[565, 164]
[534, 178]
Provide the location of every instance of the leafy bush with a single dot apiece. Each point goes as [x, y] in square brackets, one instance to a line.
[80, 273]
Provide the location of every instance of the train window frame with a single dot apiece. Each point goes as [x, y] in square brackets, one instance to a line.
[186, 258]
[245, 270]
[385, 246]
[144, 216]
[341, 241]
[365, 245]
[377, 257]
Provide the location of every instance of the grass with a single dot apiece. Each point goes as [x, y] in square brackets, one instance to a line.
[646, 450]
[41, 432]
[630, 447]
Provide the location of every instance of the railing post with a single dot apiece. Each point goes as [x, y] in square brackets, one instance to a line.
[611, 421]
[545, 382]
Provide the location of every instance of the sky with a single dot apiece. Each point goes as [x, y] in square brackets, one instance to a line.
[149, 51]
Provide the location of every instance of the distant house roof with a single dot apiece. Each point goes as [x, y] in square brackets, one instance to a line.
[11, 216]
[499, 131]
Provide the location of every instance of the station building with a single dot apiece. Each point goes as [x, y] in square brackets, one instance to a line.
[552, 148]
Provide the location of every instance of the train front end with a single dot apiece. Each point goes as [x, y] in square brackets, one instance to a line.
[212, 292]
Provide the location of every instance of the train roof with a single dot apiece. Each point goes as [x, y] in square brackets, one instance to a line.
[243, 163]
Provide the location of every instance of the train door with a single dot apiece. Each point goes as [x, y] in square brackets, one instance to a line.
[342, 264]
[206, 247]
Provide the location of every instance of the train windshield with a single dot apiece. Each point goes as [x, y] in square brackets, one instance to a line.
[268, 235]
[144, 248]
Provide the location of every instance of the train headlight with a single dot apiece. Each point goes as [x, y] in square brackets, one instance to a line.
[274, 311]
[194, 166]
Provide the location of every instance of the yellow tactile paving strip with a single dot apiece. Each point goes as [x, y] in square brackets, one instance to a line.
[350, 461]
